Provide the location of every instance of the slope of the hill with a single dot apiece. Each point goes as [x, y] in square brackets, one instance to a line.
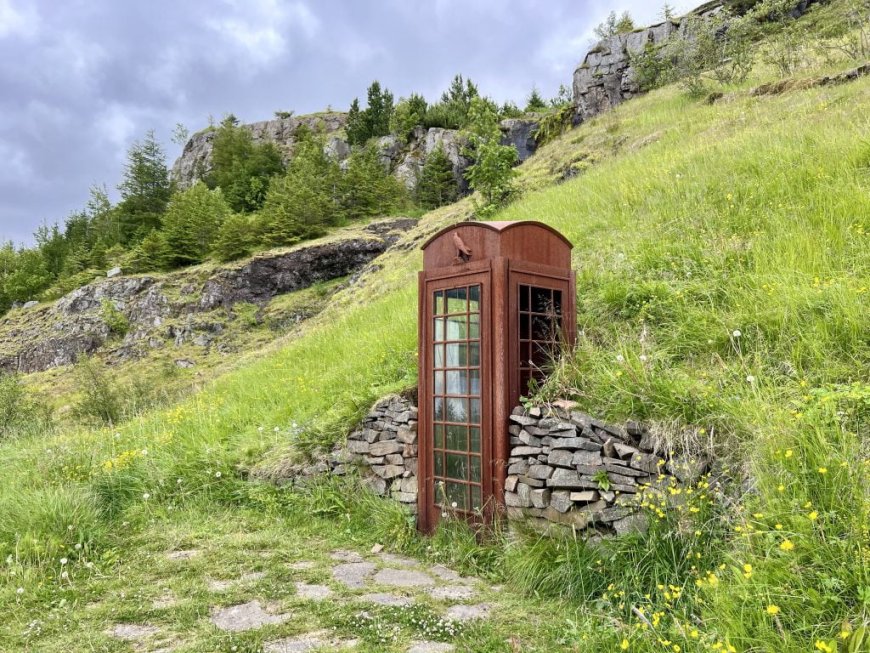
[723, 280]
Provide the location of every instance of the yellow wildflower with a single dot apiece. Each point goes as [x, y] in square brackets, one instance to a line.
[773, 610]
[787, 545]
[624, 645]
[813, 515]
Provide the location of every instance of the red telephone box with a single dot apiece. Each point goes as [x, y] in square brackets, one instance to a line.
[496, 300]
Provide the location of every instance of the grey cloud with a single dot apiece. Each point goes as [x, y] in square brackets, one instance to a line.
[81, 80]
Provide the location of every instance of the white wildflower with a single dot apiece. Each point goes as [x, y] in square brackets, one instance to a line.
[620, 358]
[146, 496]
[737, 333]
[20, 590]
[65, 575]
[63, 561]
[750, 379]
[217, 474]
[78, 546]
[643, 358]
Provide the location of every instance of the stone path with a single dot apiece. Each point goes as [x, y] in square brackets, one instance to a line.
[378, 578]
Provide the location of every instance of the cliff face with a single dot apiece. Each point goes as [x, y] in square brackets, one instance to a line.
[195, 160]
[605, 78]
[404, 160]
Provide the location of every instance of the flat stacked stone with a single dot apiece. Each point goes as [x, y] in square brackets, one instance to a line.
[569, 468]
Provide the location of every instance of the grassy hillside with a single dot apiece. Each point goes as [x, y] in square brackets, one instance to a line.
[723, 258]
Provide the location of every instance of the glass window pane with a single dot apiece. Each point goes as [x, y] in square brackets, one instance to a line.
[540, 354]
[438, 331]
[439, 463]
[474, 326]
[474, 354]
[457, 327]
[542, 328]
[475, 411]
[457, 409]
[457, 437]
[457, 382]
[439, 409]
[439, 355]
[457, 493]
[524, 326]
[475, 439]
[439, 303]
[476, 503]
[474, 299]
[474, 382]
[541, 300]
[557, 302]
[457, 466]
[524, 298]
[456, 300]
[439, 383]
[474, 471]
[439, 436]
[456, 354]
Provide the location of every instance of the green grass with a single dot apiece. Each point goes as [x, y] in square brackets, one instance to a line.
[723, 263]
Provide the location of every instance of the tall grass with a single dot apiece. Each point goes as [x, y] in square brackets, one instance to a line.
[723, 281]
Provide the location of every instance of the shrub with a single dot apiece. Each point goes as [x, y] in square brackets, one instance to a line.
[114, 319]
[17, 410]
[100, 399]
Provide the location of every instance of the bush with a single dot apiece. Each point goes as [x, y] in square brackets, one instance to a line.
[191, 223]
[100, 399]
[17, 410]
[117, 322]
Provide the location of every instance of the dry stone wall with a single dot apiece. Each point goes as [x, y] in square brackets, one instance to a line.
[382, 450]
[569, 468]
[565, 466]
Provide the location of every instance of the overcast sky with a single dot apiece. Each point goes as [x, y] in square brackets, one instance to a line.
[80, 80]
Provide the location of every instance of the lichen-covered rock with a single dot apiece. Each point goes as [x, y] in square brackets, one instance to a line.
[605, 78]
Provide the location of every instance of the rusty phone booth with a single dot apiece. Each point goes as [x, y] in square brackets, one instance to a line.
[495, 301]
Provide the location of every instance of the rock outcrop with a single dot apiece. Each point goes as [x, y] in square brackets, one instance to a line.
[606, 78]
[161, 310]
[403, 159]
[195, 160]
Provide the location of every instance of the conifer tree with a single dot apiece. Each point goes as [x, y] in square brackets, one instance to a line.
[236, 238]
[437, 185]
[151, 254]
[535, 102]
[145, 189]
[191, 223]
[302, 203]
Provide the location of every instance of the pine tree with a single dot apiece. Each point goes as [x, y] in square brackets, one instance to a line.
[535, 102]
[437, 185]
[145, 190]
[151, 254]
[236, 238]
[302, 203]
[242, 168]
[191, 223]
[379, 110]
[356, 128]
[366, 189]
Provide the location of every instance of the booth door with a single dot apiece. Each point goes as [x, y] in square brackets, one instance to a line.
[541, 323]
[455, 447]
